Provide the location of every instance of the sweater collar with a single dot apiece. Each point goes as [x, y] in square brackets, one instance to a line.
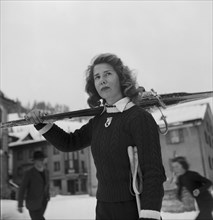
[120, 106]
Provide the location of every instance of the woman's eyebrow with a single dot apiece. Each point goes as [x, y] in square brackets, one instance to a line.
[105, 71]
[96, 74]
[108, 70]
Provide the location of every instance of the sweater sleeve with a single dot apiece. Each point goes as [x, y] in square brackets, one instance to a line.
[204, 182]
[68, 142]
[144, 131]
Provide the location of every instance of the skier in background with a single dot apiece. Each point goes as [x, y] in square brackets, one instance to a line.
[196, 184]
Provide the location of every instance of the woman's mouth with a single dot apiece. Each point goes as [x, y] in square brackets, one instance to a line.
[104, 88]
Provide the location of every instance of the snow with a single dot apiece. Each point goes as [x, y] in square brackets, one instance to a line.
[181, 113]
[70, 208]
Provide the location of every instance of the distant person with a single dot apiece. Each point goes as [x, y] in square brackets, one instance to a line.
[196, 184]
[122, 124]
[34, 188]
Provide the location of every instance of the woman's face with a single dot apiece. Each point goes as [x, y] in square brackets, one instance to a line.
[178, 168]
[107, 83]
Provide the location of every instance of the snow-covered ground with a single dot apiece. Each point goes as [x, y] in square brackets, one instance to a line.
[72, 208]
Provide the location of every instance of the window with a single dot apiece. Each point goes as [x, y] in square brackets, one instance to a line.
[84, 185]
[76, 166]
[75, 155]
[175, 136]
[71, 164]
[57, 166]
[83, 168]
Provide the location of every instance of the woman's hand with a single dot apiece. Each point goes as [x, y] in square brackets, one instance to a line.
[196, 192]
[20, 209]
[35, 116]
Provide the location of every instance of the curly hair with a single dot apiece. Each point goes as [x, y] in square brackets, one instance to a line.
[127, 81]
[182, 161]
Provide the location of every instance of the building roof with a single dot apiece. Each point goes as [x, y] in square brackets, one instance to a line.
[181, 113]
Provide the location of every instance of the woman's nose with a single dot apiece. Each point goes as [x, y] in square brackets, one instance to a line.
[103, 81]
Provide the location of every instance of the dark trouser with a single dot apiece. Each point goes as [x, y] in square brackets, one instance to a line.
[116, 210]
[205, 209]
[204, 215]
[39, 213]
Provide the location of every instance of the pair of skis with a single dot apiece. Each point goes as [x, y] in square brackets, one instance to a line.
[149, 100]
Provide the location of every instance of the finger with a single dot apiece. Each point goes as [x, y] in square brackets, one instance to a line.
[37, 117]
[33, 117]
[42, 114]
[46, 112]
[26, 117]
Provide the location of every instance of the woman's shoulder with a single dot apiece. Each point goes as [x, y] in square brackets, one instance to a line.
[140, 117]
[192, 174]
[141, 112]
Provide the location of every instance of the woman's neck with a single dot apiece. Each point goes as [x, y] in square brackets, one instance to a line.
[112, 101]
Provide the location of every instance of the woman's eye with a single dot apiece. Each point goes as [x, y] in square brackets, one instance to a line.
[97, 77]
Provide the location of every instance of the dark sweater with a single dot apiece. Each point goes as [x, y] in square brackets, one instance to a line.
[193, 180]
[133, 127]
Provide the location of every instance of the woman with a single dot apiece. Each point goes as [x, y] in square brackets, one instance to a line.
[110, 83]
[196, 184]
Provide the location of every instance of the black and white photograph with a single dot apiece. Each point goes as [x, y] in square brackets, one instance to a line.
[106, 109]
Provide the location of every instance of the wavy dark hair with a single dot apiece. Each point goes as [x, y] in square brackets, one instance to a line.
[127, 81]
[182, 161]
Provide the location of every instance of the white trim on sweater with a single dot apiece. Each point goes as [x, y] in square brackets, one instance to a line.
[46, 128]
[150, 214]
[120, 106]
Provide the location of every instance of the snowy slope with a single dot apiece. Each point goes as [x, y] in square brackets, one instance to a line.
[72, 208]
